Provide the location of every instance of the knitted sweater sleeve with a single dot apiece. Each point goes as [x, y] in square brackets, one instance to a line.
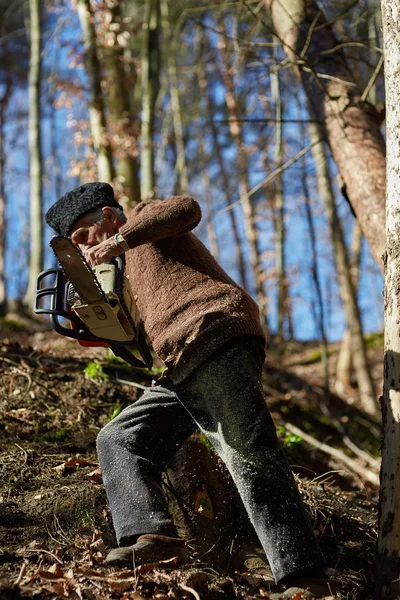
[157, 220]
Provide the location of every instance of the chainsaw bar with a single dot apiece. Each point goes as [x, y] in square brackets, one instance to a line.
[77, 270]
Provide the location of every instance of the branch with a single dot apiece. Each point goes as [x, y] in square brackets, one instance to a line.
[349, 462]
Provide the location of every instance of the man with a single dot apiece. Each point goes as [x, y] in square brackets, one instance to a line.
[207, 331]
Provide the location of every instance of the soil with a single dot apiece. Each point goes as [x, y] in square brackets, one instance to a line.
[55, 526]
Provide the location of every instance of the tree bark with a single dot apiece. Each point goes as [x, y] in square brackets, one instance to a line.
[3, 106]
[388, 551]
[280, 271]
[351, 125]
[204, 86]
[122, 121]
[347, 292]
[35, 153]
[345, 363]
[244, 187]
[150, 88]
[180, 166]
[98, 127]
[319, 314]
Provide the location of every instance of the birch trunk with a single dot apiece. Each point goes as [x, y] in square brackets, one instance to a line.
[97, 118]
[351, 125]
[150, 88]
[35, 153]
[365, 385]
[388, 552]
[119, 88]
[244, 187]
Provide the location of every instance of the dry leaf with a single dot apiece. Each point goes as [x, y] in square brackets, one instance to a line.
[95, 475]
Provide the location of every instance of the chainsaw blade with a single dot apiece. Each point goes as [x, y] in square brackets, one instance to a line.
[77, 270]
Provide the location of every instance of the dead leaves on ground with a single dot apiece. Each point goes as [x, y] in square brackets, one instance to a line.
[85, 579]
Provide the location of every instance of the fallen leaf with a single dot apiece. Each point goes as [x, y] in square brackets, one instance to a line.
[72, 463]
[95, 475]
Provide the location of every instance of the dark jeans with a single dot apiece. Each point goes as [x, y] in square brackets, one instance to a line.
[224, 398]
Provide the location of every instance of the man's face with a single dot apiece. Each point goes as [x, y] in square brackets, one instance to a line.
[85, 234]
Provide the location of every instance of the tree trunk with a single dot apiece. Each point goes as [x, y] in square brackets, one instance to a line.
[98, 127]
[244, 187]
[150, 88]
[35, 154]
[203, 83]
[280, 272]
[3, 106]
[345, 363]
[388, 551]
[350, 307]
[319, 314]
[212, 237]
[122, 122]
[181, 167]
[351, 125]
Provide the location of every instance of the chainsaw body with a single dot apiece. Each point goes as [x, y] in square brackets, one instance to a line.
[98, 303]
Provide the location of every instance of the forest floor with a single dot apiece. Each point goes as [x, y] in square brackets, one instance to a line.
[55, 525]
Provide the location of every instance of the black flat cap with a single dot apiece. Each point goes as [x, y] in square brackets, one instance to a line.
[71, 207]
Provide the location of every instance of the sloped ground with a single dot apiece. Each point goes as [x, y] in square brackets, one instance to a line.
[54, 521]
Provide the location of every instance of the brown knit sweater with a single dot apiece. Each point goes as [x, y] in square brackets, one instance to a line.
[189, 305]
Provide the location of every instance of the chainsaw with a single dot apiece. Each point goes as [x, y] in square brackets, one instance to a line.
[97, 302]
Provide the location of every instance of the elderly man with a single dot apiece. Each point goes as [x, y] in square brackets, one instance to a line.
[207, 331]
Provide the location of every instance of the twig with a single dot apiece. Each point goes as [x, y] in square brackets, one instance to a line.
[190, 590]
[352, 464]
[132, 383]
[21, 574]
[269, 178]
[24, 452]
[371, 82]
[41, 551]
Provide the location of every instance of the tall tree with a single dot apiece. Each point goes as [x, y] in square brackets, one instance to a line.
[351, 125]
[3, 106]
[347, 292]
[388, 551]
[150, 88]
[120, 80]
[97, 117]
[35, 152]
[235, 128]
[180, 166]
[206, 87]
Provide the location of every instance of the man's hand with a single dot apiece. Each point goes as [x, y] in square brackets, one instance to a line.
[103, 252]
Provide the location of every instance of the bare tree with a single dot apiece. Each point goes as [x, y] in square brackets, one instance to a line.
[3, 106]
[35, 153]
[244, 187]
[120, 81]
[388, 552]
[98, 127]
[347, 292]
[351, 125]
[150, 88]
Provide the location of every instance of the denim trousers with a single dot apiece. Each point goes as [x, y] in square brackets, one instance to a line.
[224, 398]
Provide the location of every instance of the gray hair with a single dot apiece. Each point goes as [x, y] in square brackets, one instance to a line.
[96, 216]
